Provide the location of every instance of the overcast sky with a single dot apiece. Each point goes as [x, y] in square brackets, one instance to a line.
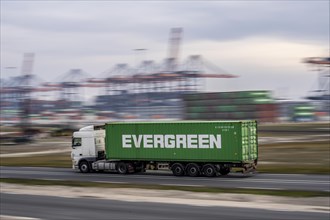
[263, 42]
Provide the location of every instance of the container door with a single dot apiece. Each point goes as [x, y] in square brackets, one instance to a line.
[249, 140]
[245, 142]
[252, 142]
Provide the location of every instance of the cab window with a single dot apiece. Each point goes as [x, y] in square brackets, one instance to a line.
[76, 142]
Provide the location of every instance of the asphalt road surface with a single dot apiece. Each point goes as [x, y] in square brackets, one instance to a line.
[49, 207]
[256, 181]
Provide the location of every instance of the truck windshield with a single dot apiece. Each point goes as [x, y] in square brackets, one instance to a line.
[76, 142]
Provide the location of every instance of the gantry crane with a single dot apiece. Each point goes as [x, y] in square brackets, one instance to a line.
[322, 65]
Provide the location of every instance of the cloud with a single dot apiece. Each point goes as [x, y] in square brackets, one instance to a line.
[250, 37]
[295, 20]
[207, 20]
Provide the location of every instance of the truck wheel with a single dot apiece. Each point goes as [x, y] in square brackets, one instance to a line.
[122, 168]
[224, 170]
[193, 170]
[177, 169]
[209, 170]
[84, 167]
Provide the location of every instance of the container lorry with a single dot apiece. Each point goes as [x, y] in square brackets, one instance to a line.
[207, 148]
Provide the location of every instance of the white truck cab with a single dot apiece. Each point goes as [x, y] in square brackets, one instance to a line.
[88, 145]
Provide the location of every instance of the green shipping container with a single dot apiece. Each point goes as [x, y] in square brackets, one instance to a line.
[202, 141]
[253, 94]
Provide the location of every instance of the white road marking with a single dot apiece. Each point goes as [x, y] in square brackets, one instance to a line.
[12, 217]
[265, 188]
[111, 182]
[181, 185]
[25, 154]
[53, 179]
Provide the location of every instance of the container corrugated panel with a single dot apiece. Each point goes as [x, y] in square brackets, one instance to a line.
[257, 93]
[223, 116]
[304, 108]
[265, 116]
[209, 102]
[243, 94]
[197, 109]
[227, 108]
[210, 109]
[188, 97]
[200, 96]
[191, 116]
[238, 101]
[192, 103]
[243, 115]
[227, 95]
[238, 141]
[248, 108]
[304, 114]
[224, 108]
[246, 101]
[232, 106]
[202, 116]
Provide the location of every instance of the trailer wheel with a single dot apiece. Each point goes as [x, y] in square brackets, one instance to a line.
[193, 169]
[122, 168]
[224, 170]
[177, 169]
[84, 167]
[209, 170]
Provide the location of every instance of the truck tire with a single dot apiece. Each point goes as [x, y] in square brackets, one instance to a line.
[224, 170]
[177, 169]
[193, 170]
[209, 170]
[122, 168]
[84, 167]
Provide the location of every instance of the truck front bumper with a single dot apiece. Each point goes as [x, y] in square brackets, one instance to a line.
[75, 165]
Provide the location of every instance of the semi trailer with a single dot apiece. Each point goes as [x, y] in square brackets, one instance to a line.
[192, 148]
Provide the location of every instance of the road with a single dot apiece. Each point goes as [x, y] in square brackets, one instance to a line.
[257, 181]
[50, 207]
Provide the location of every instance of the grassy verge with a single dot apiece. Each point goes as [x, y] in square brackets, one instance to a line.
[310, 157]
[293, 169]
[161, 187]
[303, 126]
[51, 160]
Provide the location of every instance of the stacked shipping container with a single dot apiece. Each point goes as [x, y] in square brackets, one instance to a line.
[303, 113]
[239, 105]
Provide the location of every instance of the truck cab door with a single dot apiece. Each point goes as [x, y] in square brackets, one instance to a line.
[76, 147]
[89, 149]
